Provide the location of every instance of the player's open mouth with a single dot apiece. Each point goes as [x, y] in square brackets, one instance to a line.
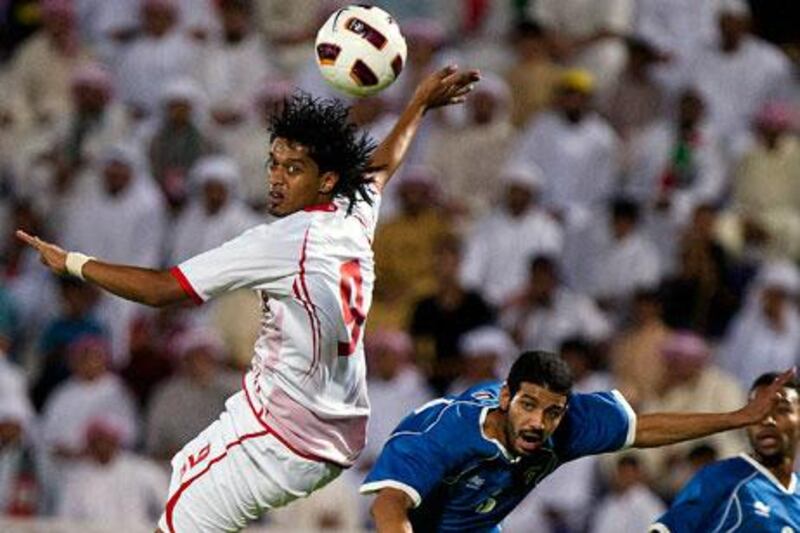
[275, 198]
[768, 438]
[528, 442]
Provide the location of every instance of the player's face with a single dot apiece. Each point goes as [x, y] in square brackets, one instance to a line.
[533, 414]
[294, 179]
[777, 436]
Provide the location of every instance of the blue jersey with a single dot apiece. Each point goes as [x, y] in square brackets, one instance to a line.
[737, 494]
[460, 480]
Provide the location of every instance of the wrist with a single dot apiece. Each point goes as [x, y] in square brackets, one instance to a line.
[75, 262]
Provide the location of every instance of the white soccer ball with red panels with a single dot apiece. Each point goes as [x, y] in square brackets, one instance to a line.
[360, 50]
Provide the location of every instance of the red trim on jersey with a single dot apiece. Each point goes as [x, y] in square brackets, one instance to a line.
[185, 285]
[310, 314]
[316, 326]
[173, 500]
[329, 207]
[275, 434]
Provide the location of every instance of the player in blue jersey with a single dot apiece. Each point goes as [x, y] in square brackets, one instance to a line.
[463, 463]
[749, 493]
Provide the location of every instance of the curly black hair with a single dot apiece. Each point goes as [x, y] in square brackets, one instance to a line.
[334, 143]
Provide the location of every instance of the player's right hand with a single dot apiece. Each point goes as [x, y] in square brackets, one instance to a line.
[54, 257]
[446, 86]
[763, 403]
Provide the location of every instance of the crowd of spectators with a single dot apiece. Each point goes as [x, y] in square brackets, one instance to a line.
[622, 187]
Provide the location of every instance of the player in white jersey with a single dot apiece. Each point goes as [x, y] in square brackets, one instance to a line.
[301, 415]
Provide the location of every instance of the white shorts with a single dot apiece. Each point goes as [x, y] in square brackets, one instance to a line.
[235, 470]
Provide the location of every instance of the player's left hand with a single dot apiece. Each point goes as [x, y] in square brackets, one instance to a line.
[446, 86]
[762, 404]
[50, 254]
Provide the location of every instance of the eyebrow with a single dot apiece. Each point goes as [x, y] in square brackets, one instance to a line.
[271, 156]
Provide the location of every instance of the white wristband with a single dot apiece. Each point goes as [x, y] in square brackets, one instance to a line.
[75, 262]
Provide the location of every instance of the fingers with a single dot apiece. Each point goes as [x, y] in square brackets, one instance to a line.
[784, 378]
[30, 240]
[446, 71]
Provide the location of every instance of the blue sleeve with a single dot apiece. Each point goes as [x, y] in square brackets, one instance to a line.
[593, 424]
[416, 459]
[695, 505]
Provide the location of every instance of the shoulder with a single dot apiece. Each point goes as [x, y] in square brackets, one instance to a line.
[450, 414]
[722, 477]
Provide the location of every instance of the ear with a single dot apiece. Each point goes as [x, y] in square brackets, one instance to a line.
[505, 398]
[327, 182]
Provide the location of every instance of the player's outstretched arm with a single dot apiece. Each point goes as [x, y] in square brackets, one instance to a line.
[444, 87]
[390, 511]
[150, 287]
[660, 429]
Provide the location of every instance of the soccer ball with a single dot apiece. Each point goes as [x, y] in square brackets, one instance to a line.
[360, 50]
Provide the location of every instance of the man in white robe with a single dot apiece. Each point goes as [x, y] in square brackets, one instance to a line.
[500, 245]
[575, 148]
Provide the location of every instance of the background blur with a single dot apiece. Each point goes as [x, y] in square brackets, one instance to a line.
[623, 187]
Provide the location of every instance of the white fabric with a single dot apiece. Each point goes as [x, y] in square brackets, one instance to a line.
[752, 345]
[303, 266]
[74, 404]
[734, 86]
[678, 27]
[630, 512]
[583, 18]
[651, 151]
[148, 64]
[570, 314]
[242, 454]
[196, 231]
[233, 73]
[127, 492]
[500, 248]
[578, 160]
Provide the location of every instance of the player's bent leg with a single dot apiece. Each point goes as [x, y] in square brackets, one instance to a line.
[233, 472]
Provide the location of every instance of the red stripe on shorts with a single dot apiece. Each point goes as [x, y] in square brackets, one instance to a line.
[174, 498]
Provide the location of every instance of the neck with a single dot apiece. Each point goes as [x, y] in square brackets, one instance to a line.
[781, 468]
[494, 426]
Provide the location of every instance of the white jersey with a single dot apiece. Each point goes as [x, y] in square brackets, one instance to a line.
[314, 272]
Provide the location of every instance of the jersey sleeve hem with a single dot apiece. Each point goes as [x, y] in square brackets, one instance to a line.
[375, 486]
[658, 527]
[630, 437]
[186, 285]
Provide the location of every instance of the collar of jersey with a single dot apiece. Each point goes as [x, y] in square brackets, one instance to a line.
[481, 419]
[770, 476]
[327, 207]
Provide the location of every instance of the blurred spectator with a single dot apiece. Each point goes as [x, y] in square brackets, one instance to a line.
[236, 64]
[546, 313]
[161, 53]
[487, 354]
[40, 71]
[90, 391]
[186, 403]
[692, 383]
[676, 164]
[534, 77]
[612, 262]
[439, 320]
[676, 27]
[502, 242]
[583, 361]
[766, 188]
[737, 74]
[77, 318]
[25, 486]
[588, 33]
[765, 333]
[466, 154]
[118, 218]
[215, 214]
[702, 294]
[635, 355]
[404, 249]
[396, 387]
[574, 147]
[179, 139]
[637, 99]
[631, 507]
[109, 487]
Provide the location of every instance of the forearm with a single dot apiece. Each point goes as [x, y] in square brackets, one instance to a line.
[660, 429]
[392, 150]
[390, 512]
[156, 288]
